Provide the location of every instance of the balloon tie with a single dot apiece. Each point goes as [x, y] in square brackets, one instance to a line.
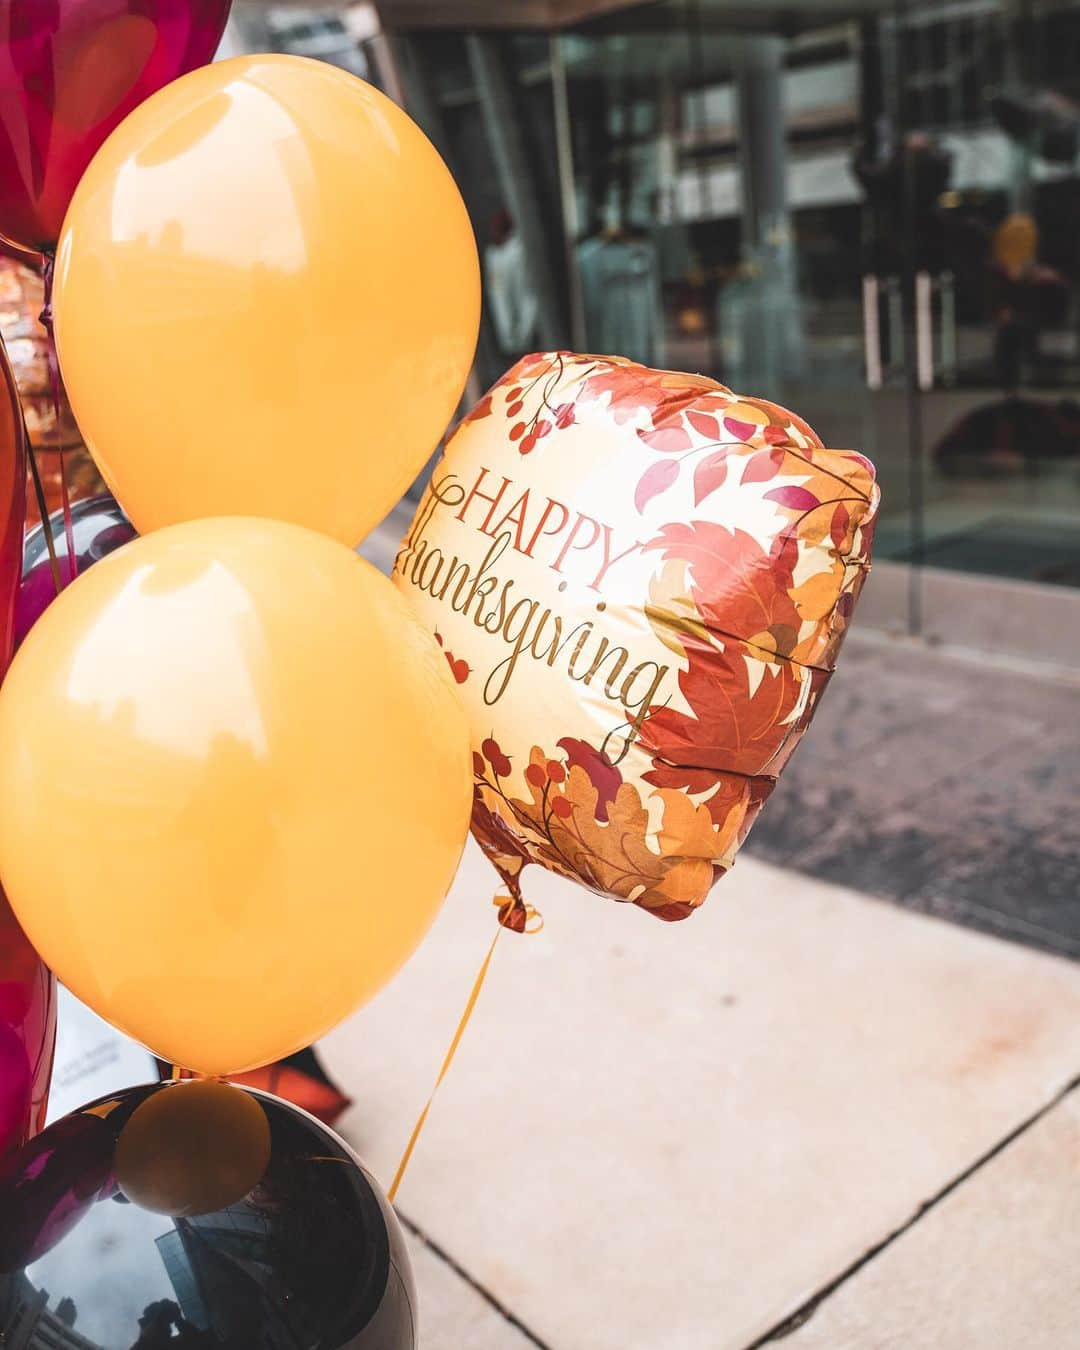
[531, 922]
[43, 507]
[46, 316]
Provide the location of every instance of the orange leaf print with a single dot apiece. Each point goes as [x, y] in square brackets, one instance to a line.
[731, 728]
[740, 593]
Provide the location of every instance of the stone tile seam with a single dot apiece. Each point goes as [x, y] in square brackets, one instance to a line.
[441, 1254]
[1008, 926]
[806, 1310]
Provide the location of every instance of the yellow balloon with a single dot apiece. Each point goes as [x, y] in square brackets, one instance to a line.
[234, 787]
[193, 1148]
[266, 299]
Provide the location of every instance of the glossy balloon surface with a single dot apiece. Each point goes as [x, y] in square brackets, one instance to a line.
[70, 71]
[270, 268]
[303, 1253]
[99, 526]
[27, 1034]
[234, 788]
[27, 989]
[12, 504]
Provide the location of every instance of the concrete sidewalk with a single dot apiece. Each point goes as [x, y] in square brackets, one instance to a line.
[668, 1137]
[802, 1116]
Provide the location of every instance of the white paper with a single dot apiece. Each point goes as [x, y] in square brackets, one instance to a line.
[92, 1059]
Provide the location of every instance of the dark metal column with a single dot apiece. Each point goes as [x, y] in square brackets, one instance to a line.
[771, 338]
[501, 126]
[762, 145]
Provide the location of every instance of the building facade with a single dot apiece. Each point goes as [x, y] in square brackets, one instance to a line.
[864, 211]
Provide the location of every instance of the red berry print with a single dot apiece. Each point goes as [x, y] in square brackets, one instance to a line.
[479, 768]
[555, 771]
[561, 807]
[517, 431]
[514, 408]
[528, 445]
[495, 757]
[535, 775]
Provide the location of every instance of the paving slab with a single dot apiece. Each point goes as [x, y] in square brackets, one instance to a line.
[453, 1316]
[670, 1136]
[995, 1266]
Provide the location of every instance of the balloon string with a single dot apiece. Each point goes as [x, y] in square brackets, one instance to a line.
[48, 264]
[532, 917]
[43, 509]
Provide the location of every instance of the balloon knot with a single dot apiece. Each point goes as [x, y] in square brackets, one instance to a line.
[518, 916]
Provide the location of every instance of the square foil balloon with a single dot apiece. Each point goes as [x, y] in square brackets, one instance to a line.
[641, 581]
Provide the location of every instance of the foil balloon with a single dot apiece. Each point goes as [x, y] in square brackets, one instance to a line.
[27, 1034]
[216, 748]
[199, 1214]
[98, 528]
[640, 581]
[71, 71]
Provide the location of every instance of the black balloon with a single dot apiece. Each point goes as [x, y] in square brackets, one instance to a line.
[98, 528]
[310, 1255]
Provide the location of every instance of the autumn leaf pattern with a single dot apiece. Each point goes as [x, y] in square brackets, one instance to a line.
[755, 542]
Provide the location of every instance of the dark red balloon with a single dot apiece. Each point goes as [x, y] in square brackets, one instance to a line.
[70, 71]
[12, 504]
[27, 1034]
[27, 988]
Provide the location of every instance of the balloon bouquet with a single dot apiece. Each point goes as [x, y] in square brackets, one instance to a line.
[218, 742]
[611, 621]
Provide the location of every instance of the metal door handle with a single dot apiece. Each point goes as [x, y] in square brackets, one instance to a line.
[924, 331]
[871, 313]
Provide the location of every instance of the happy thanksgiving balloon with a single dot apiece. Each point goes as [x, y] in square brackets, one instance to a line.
[640, 581]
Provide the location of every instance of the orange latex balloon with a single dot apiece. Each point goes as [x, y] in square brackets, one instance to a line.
[266, 299]
[234, 788]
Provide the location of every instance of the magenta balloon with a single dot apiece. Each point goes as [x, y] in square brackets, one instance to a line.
[27, 1034]
[70, 71]
[14, 1090]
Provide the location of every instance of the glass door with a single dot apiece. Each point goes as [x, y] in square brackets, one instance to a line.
[735, 185]
[992, 96]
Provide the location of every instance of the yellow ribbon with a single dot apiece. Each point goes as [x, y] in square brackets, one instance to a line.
[534, 921]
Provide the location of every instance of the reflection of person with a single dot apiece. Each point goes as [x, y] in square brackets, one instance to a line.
[155, 1325]
[1025, 297]
[620, 289]
[511, 302]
